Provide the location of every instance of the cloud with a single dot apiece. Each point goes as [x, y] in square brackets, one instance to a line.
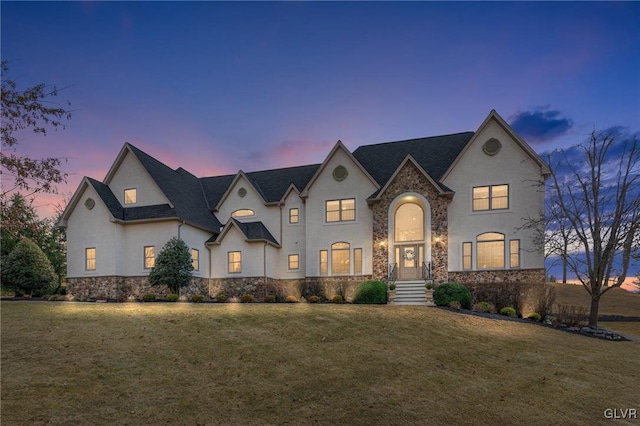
[540, 124]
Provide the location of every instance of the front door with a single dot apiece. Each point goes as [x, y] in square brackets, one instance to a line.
[408, 258]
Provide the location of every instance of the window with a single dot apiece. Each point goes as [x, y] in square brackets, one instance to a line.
[514, 253]
[340, 258]
[409, 223]
[357, 261]
[466, 255]
[195, 259]
[90, 259]
[149, 257]
[494, 197]
[294, 262]
[490, 250]
[294, 215]
[324, 262]
[234, 259]
[341, 210]
[130, 196]
[243, 213]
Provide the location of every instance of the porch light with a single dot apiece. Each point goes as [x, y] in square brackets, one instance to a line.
[438, 242]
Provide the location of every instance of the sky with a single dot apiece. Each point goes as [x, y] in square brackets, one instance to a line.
[216, 87]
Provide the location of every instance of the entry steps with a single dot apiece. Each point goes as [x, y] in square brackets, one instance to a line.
[411, 293]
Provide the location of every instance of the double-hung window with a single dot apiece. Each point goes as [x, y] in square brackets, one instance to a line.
[149, 257]
[340, 210]
[492, 197]
[234, 262]
[90, 259]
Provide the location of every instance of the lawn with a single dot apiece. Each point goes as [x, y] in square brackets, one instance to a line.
[89, 363]
[614, 302]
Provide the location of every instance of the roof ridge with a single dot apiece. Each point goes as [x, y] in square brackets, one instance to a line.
[414, 139]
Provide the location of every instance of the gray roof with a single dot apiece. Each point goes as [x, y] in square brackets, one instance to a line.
[434, 154]
[255, 231]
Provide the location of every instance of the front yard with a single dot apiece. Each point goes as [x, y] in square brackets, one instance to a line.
[87, 363]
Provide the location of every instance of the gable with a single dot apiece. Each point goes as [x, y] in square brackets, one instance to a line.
[131, 174]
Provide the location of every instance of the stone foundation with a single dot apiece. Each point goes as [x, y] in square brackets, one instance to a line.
[499, 276]
[123, 289]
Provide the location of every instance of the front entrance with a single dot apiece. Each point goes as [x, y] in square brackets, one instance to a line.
[409, 258]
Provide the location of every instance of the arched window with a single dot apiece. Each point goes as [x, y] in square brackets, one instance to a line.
[243, 213]
[409, 223]
[490, 249]
[340, 258]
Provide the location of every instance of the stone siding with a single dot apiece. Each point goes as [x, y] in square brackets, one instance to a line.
[410, 179]
[124, 289]
[127, 288]
[507, 275]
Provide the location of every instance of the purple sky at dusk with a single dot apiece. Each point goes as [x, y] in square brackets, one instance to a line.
[217, 87]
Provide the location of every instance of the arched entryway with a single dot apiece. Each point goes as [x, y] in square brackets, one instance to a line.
[409, 232]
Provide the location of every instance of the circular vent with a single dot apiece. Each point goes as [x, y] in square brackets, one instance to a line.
[340, 173]
[242, 192]
[492, 146]
[89, 203]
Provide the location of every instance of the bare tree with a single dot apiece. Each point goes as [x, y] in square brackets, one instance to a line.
[559, 236]
[596, 187]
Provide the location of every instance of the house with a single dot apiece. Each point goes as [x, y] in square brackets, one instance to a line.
[443, 208]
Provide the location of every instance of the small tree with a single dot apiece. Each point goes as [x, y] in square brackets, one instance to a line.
[596, 187]
[27, 269]
[173, 266]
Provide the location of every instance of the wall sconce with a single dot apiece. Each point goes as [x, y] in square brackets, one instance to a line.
[438, 242]
[382, 244]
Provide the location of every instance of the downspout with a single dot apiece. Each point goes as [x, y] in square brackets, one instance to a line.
[264, 257]
[180, 226]
[209, 268]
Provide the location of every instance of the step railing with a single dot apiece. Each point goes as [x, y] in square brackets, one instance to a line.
[427, 273]
[393, 272]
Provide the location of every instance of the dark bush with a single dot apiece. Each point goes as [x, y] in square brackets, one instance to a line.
[337, 299]
[246, 298]
[197, 298]
[569, 315]
[269, 298]
[450, 292]
[172, 297]
[221, 298]
[313, 299]
[508, 311]
[309, 289]
[28, 270]
[371, 292]
[392, 287]
[149, 297]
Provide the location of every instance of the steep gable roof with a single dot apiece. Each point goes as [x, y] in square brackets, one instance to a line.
[433, 154]
[183, 190]
[252, 232]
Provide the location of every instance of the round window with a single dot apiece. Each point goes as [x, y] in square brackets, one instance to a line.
[89, 203]
[340, 173]
[492, 146]
[242, 192]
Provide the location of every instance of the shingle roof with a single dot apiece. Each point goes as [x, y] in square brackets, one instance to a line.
[434, 154]
[272, 184]
[256, 231]
[183, 190]
[108, 198]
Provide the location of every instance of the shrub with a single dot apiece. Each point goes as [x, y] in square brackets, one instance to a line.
[484, 307]
[450, 292]
[269, 298]
[291, 299]
[571, 316]
[392, 287]
[313, 299]
[508, 311]
[309, 289]
[371, 292]
[221, 298]
[149, 297]
[429, 286]
[62, 290]
[454, 304]
[173, 266]
[246, 298]
[172, 297]
[27, 269]
[197, 298]
[337, 299]
[535, 317]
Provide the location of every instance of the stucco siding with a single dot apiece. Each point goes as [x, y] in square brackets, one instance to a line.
[131, 174]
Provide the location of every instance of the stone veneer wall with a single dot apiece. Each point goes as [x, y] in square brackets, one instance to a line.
[410, 179]
[127, 288]
[133, 288]
[281, 288]
[507, 275]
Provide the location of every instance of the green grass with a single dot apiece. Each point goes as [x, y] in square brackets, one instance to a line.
[81, 363]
